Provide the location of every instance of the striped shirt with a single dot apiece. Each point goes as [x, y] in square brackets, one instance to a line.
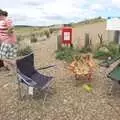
[6, 24]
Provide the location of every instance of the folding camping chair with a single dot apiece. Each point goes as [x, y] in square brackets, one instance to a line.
[27, 74]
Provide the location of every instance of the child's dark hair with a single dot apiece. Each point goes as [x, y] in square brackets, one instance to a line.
[5, 13]
[1, 12]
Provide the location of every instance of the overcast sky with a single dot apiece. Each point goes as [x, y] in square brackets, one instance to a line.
[47, 12]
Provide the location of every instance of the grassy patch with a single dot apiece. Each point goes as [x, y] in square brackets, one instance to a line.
[46, 32]
[113, 51]
[101, 54]
[33, 38]
[24, 51]
[67, 54]
[85, 50]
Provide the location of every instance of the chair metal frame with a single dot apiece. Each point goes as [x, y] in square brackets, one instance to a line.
[21, 78]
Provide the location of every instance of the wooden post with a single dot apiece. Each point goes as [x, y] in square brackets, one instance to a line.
[87, 42]
[100, 36]
[59, 46]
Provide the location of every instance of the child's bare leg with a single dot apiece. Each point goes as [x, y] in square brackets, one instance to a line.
[10, 65]
[5, 64]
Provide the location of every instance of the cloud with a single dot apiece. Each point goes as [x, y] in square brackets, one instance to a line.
[97, 7]
[116, 3]
[35, 2]
[32, 3]
[45, 12]
[66, 8]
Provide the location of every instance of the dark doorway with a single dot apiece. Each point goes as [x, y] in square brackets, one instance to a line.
[117, 37]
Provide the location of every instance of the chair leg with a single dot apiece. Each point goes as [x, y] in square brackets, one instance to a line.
[30, 90]
[46, 94]
[45, 98]
[19, 91]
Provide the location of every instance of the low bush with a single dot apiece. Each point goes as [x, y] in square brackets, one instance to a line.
[109, 50]
[113, 48]
[19, 38]
[24, 51]
[85, 50]
[101, 54]
[46, 32]
[66, 53]
[51, 30]
[33, 38]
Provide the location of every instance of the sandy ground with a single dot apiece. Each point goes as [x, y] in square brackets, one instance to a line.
[68, 101]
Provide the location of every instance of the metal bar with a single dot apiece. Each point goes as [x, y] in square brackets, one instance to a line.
[46, 67]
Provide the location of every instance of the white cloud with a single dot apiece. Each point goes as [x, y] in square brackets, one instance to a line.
[116, 3]
[44, 12]
[96, 7]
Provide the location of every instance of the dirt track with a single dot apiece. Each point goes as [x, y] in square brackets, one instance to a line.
[68, 101]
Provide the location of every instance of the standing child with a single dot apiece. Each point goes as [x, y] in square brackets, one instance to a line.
[8, 49]
[1, 61]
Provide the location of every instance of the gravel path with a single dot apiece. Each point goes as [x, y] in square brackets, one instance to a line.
[68, 101]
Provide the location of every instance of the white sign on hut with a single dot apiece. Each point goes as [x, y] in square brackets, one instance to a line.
[113, 23]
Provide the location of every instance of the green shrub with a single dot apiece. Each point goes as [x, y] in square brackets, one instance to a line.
[113, 48]
[41, 34]
[101, 54]
[66, 53]
[24, 51]
[51, 30]
[33, 38]
[46, 32]
[19, 38]
[85, 50]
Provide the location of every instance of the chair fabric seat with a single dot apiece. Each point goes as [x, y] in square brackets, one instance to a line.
[37, 80]
[28, 74]
[40, 79]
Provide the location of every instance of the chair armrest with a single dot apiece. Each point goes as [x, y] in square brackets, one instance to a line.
[41, 68]
[27, 80]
